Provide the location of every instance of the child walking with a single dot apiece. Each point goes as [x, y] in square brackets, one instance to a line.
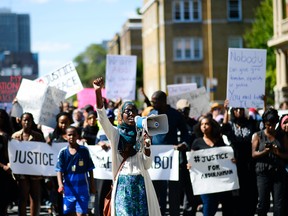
[74, 164]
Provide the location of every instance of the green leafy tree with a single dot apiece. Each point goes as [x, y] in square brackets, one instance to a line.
[258, 36]
[91, 64]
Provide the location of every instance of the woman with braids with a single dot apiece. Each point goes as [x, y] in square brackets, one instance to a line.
[268, 153]
[29, 185]
[133, 192]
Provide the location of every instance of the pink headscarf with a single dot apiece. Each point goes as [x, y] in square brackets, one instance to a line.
[282, 121]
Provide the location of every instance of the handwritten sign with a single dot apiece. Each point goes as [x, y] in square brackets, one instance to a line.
[9, 86]
[121, 77]
[176, 89]
[40, 100]
[33, 158]
[198, 100]
[212, 170]
[64, 78]
[246, 77]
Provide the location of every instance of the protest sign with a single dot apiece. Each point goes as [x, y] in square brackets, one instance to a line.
[176, 89]
[64, 78]
[246, 77]
[41, 100]
[164, 166]
[33, 158]
[212, 170]
[121, 77]
[9, 86]
[87, 96]
[198, 100]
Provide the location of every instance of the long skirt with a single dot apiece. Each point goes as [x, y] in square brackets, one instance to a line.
[130, 197]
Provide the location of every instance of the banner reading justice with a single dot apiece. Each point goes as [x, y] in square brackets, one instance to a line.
[36, 158]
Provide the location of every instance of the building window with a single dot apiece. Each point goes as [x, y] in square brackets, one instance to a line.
[196, 78]
[235, 42]
[187, 10]
[188, 49]
[234, 10]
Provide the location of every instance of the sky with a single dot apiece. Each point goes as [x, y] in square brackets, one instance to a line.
[62, 29]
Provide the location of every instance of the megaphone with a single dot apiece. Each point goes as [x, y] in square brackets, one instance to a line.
[153, 124]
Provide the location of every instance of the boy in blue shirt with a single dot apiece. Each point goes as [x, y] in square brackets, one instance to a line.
[73, 165]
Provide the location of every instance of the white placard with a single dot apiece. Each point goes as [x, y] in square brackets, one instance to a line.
[33, 158]
[198, 100]
[121, 77]
[176, 89]
[41, 100]
[165, 165]
[212, 170]
[246, 77]
[64, 78]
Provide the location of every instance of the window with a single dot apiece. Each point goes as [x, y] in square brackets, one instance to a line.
[234, 10]
[187, 10]
[235, 42]
[196, 78]
[188, 49]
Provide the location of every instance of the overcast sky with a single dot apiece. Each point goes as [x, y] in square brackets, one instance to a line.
[62, 29]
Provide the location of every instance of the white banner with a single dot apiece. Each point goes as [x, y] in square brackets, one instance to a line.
[33, 158]
[121, 77]
[36, 158]
[246, 77]
[212, 170]
[176, 89]
[64, 78]
[165, 164]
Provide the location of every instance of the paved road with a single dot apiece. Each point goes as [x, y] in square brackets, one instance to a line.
[14, 212]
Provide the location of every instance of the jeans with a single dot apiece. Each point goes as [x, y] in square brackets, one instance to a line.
[272, 181]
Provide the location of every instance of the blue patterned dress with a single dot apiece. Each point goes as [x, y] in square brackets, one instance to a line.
[131, 196]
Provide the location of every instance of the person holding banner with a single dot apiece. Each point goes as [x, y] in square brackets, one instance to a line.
[30, 186]
[63, 121]
[8, 186]
[269, 154]
[74, 164]
[208, 133]
[133, 192]
[176, 124]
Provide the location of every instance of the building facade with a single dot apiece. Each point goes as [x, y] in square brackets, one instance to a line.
[187, 41]
[280, 42]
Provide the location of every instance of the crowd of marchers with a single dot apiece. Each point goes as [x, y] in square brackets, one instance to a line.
[259, 142]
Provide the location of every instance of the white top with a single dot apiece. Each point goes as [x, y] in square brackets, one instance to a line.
[137, 164]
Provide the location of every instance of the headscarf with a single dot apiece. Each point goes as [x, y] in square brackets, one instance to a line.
[127, 133]
[282, 121]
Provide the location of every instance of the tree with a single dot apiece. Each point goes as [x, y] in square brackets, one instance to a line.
[91, 64]
[258, 36]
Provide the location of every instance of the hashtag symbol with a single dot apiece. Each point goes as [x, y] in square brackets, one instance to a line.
[196, 159]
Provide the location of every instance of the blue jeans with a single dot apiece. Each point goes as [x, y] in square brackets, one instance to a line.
[210, 203]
